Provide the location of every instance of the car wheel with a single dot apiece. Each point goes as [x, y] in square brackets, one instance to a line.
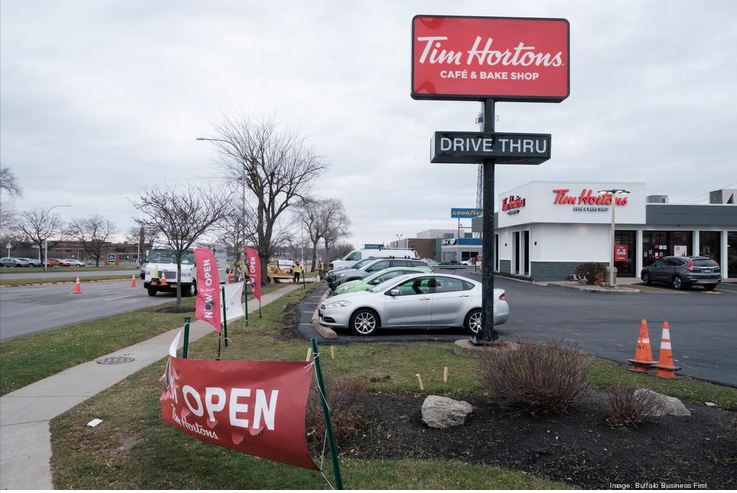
[677, 282]
[192, 291]
[473, 321]
[152, 291]
[646, 278]
[364, 322]
[709, 287]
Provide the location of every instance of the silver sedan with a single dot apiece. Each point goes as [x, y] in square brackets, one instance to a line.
[413, 300]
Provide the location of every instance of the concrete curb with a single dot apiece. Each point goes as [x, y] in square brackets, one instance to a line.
[598, 289]
[325, 332]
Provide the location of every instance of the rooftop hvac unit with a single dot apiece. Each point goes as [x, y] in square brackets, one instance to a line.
[656, 199]
[723, 196]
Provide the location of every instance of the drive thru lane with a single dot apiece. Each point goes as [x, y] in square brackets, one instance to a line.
[703, 326]
[28, 309]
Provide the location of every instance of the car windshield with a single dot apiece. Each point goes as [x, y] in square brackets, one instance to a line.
[167, 257]
[361, 263]
[389, 283]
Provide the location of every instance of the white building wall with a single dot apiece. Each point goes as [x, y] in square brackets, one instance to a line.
[572, 243]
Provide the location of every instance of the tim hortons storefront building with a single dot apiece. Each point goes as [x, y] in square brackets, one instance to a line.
[544, 229]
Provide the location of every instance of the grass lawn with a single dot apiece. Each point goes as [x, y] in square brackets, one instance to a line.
[68, 269]
[27, 359]
[71, 278]
[135, 449]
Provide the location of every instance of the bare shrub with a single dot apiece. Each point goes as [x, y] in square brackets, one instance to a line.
[545, 378]
[630, 408]
[593, 272]
[345, 398]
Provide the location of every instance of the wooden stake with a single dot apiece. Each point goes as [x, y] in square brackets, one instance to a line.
[419, 379]
[445, 374]
[332, 352]
[309, 355]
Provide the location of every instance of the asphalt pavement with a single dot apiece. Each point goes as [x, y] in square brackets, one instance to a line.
[703, 326]
[9, 276]
[28, 309]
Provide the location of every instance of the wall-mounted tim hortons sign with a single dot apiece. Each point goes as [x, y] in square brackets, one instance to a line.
[505, 148]
[499, 58]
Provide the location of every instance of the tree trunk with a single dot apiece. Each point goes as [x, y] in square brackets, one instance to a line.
[179, 283]
[314, 256]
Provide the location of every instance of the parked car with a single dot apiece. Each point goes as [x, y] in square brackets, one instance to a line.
[74, 262]
[682, 272]
[34, 262]
[9, 262]
[331, 274]
[22, 262]
[374, 266]
[56, 262]
[413, 300]
[377, 278]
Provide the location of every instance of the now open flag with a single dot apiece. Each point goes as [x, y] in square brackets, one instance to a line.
[254, 271]
[207, 305]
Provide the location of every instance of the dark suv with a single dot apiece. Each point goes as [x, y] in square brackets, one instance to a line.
[681, 272]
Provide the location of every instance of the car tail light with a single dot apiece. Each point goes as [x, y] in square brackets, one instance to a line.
[503, 297]
[689, 266]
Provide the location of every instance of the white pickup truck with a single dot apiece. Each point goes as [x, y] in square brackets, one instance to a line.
[160, 273]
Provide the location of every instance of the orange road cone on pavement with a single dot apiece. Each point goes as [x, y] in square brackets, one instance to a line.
[77, 287]
[643, 359]
[133, 281]
[665, 366]
[162, 281]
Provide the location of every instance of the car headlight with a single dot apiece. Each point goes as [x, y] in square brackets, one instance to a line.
[338, 304]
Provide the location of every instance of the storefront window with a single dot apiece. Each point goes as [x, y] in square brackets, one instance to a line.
[710, 245]
[732, 253]
[659, 244]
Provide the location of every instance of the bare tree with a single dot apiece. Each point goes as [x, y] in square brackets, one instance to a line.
[93, 233]
[275, 166]
[236, 228]
[9, 184]
[335, 224]
[310, 215]
[181, 218]
[39, 225]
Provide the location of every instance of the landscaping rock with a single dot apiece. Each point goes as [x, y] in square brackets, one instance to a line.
[669, 406]
[444, 412]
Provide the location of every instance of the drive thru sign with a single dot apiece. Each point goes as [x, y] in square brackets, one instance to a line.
[490, 59]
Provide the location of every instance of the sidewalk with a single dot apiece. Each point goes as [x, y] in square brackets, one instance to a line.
[25, 440]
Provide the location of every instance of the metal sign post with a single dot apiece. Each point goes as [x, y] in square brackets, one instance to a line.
[487, 335]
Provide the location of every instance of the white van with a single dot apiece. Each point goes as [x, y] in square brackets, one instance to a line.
[357, 255]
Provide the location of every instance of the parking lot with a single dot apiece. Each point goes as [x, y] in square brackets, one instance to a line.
[703, 325]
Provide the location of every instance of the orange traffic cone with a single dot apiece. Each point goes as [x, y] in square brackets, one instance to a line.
[643, 359]
[133, 281]
[162, 281]
[77, 287]
[665, 357]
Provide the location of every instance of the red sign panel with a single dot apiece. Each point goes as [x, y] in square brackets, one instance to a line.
[207, 304]
[500, 58]
[255, 407]
[621, 253]
[254, 271]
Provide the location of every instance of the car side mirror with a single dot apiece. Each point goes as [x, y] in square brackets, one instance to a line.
[393, 292]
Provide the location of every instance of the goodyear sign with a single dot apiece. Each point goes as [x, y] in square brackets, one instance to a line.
[460, 213]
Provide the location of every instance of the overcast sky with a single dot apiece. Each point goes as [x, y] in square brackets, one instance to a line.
[100, 99]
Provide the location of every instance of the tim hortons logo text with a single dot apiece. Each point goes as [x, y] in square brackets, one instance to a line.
[512, 204]
[520, 56]
[586, 197]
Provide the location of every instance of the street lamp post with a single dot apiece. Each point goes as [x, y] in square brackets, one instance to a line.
[245, 219]
[46, 240]
[613, 192]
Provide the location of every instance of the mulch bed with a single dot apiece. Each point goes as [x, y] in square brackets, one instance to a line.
[693, 452]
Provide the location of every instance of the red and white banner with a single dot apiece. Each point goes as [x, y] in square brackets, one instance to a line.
[255, 407]
[500, 58]
[621, 253]
[207, 305]
[254, 270]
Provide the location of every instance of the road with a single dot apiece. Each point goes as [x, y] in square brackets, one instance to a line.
[50, 275]
[703, 326]
[28, 309]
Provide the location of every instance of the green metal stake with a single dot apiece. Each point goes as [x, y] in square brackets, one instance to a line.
[220, 339]
[245, 303]
[225, 318]
[326, 417]
[185, 347]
